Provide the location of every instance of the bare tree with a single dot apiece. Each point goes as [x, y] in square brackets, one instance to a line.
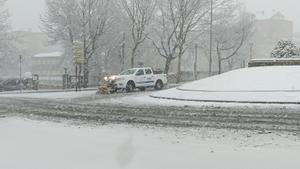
[231, 37]
[177, 20]
[94, 19]
[5, 39]
[163, 38]
[122, 45]
[4, 25]
[140, 14]
[186, 17]
[116, 39]
[4, 16]
[60, 22]
[79, 20]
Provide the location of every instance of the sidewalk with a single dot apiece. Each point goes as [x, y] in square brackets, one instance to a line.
[47, 91]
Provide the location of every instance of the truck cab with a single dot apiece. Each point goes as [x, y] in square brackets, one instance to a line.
[140, 78]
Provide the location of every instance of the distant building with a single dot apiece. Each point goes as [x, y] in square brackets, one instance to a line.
[29, 44]
[268, 32]
[296, 38]
[48, 67]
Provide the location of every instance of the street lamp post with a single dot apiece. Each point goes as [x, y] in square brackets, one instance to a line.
[196, 62]
[211, 37]
[78, 50]
[66, 79]
[20, 73]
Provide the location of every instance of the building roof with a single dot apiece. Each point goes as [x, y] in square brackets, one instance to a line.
[53, 54]
[278, 16]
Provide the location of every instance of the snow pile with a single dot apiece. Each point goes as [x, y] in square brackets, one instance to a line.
[258, 84]
[277, 78]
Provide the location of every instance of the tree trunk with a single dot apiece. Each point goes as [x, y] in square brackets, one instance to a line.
[219, 66]
[76, 74]
[196, 63]
[167, 65]
[122, 57]
[179, 66]
[133, 56]
[86, 62]
[86, 74]
[132, 61]
[219, 59]
[80, 80]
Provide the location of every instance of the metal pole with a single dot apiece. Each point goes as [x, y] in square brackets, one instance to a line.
[76, 74]
[20, 73]
[65, 80]
[79, 77]
[251, 50]
[211, 37]
[123, 52]
[196, 62]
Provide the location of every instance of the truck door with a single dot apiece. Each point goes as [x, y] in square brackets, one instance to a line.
[149, 77]
[140, 78]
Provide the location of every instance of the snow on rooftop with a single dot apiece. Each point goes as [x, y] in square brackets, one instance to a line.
[53, 54]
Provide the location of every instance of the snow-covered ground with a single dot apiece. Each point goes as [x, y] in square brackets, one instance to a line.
[145, 99]
[258, 84]
[47, 145]
[272, 85]
[269, 78]
[50, 95]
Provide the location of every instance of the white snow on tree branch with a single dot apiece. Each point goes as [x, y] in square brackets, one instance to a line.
[285, 49]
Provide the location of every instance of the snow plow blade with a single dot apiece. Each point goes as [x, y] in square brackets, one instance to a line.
[105, 90]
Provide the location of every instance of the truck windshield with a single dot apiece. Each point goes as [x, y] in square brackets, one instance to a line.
[128, 72]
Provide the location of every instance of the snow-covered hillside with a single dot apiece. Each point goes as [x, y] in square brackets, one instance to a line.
[273, 78]
[258, 84]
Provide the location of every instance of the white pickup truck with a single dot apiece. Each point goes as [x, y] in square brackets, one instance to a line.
[140, 78]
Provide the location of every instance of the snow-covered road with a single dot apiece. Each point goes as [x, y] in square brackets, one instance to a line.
[238, 117]
[35, 145]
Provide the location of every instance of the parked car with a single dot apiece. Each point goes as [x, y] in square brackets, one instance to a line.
[28, 83]
[140, 78]
[10, 85]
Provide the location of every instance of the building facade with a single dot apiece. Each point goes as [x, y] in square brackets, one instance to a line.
[267, 34]
[48, 67]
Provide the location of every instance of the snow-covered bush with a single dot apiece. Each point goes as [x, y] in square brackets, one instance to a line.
[285, 49]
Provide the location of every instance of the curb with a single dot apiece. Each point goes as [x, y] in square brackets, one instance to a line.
[226, 101]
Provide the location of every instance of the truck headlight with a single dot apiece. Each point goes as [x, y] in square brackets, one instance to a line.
[113, 78]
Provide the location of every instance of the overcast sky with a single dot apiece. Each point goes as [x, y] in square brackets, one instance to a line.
[26, 13]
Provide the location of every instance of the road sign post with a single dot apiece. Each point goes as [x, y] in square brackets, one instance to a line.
[20, 74]
[79, 61]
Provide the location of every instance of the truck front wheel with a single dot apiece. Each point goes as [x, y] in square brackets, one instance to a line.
[130, 86]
